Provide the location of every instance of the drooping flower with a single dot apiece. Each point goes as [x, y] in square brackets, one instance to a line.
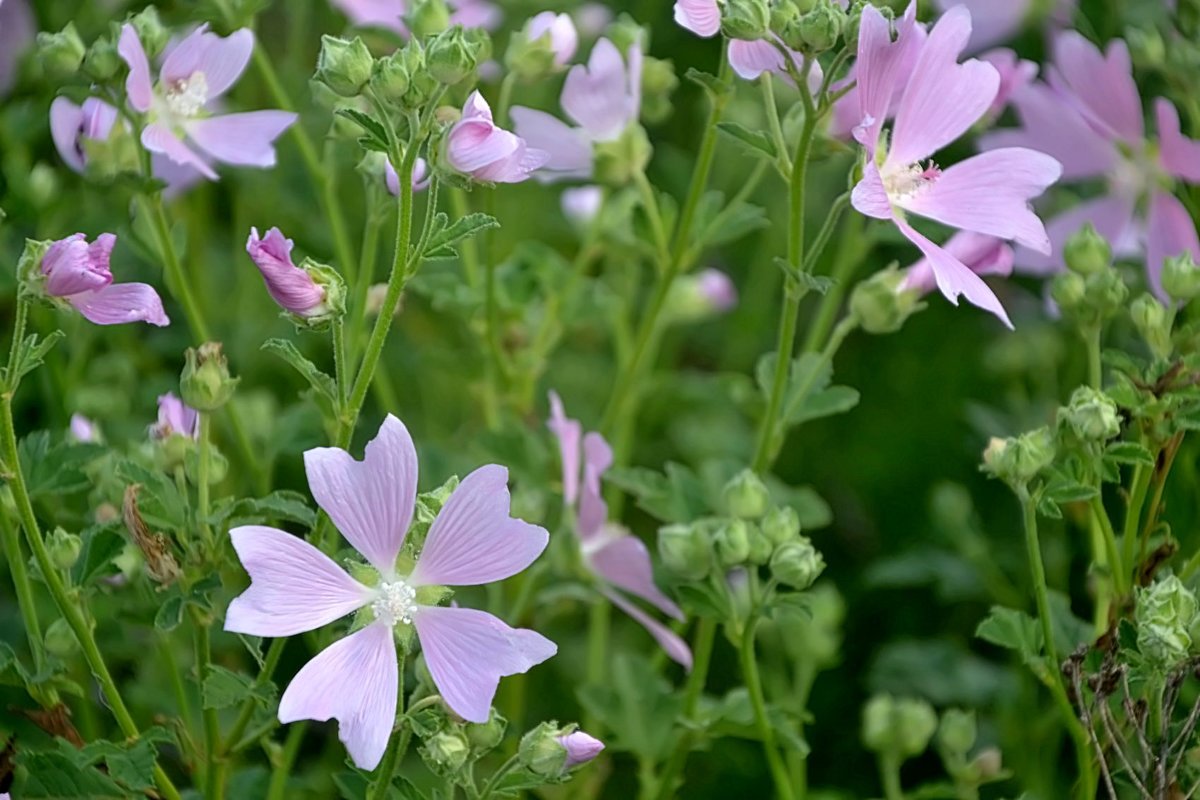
[615, 556]
[196, 72]
[389, 13]
[476, 146]
[79, 273]
[290, 286]
[988, 193]
[17, 30]
[295, 588]
[420, 176]
[175, 418]
[581, 748]
[564, 39]
[83, 429]
[1089, 117]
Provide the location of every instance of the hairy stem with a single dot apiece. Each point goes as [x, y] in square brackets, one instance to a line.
[766, 731]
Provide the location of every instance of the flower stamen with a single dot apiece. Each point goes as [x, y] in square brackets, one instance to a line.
[395, 603]
[187, 96]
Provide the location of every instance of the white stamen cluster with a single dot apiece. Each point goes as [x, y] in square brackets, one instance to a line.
[187, 96]
[395, 602]
[907, 181]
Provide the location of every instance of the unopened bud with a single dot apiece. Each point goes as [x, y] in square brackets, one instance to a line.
[797, 564]
[546, 44]
[389, 76]
[60, 640]
[745, 19]
[659, 82]
[428, 18]
[446, 751]
[819, 29]
[1181, 278]
[344, 65]
[1069, 291]
[1153, 323]
[581, 748]
[733, 542]
[1018, 460]
[882, 303]
[957, 731]
[1087, 252]
[761, 547]
[900, 727]
[150, 30]
[1165, 613]
[206, 384]
[618, 161]
[988, 765]
[781, 525]
[685, 550]
[64, 548]
[60, 54]
[102, 60]
[746, 496]
[485, 736]
[541, 752]
[581, 204]
[1091, 415]
[452, 57]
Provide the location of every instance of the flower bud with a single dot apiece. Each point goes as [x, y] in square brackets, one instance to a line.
[659, 82]
[102, 60]
[957, 731]
[733, 542]
[898, 727]
[389, 76]
[761, 547]
[616, 162]
[60, 54]
[1181, 278]
[1091, 415]
[701, 295]
[1087, 252]
[344, 65]
[818, 30]
[150, 30]
[311, 293]
[485, 736]
[1069, 291]
[64, 548]
[1153, 323]
[988, 764]
[745, 19]
[60, 640]
[174, 419]
[446, 751]
[746, 496]
[428, 18]
[685, 550]
[781, 525]
[1165, 613]
[882, 303]
[541, 752]
[205, 383]
[546, 44]
[452, 56]
[854, 21]
[797, 564]
[1018, 460]
[581, 748]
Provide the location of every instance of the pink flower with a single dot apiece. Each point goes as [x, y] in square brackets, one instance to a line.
[71, 125]
[581, 748]
[619, 559]
[291, 287]
[476, 146]
[997, 21]
[388, 13]
[1015, 74]
[564, 39]
[17, 30]
[175, 418]
[986, 194]
[717, 289]
[1089, 117]
[83, 429]
[581, 204]
[592, 18]
[79, 273]
[295, 588]
[420, 176]
[701, 17]
[983, 255]
[195, 72]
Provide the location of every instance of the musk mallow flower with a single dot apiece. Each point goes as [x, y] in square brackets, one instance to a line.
[295, 588]
[17, 29]
[983, 255]
[389, 14]
[988, 193]
[175, 418]
[478, 147]
[618, 559]
[194, 73]
[290, 286]
[79, 274]
[559, 29]
[996, 21]
[421, 176]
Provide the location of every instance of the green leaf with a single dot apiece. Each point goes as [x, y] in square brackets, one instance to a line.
[323, 387]
[1129, 453]
[60, 775]
[674, 496]
[55, 469]
[714, 86]
[808, 395]
[101, 545]
[31, 355]
[444, 237]
[131, 766]
[1012, 629]
[637, 705]
[170, 613]
[755, 142]
[280, 505]
[1068, 491]
[160, 503]
[376, 134]
[223, 688]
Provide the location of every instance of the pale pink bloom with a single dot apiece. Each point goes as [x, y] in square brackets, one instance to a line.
[997, 21]
[1015, 74]
[581, 748]
[983, 255]
[388, 13]
[290, 286]
[717, 289]
[79, 273]
[893, 66]
[421, 176]
[476, 146]
[1089, 116]
[619, 559]
[83, 429]
[581, 204]
[988, 193]
[175, 418]
[751, 59]
[295, 588]
[592, 18]
[564, 39]
[194, 73]
[701, 17]
[17, 30]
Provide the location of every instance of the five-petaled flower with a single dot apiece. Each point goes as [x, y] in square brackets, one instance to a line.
[295, 588]
[478, 147]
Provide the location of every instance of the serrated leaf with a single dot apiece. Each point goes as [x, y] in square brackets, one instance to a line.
[280, 505]
[825, 403]
[715, 87]
[59, 775]
[376, 134]
[675, 495]
[55, 468]
[101, 545]
[131, 766]
[169, 614]
[1065, 491]
[1129, 453]
[323, 387]
[443, 237]
[756, 142]
[1012, 629]
[223, 688]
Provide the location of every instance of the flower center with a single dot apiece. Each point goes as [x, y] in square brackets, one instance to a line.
[187, 96]
[908, 181]
[395, 602]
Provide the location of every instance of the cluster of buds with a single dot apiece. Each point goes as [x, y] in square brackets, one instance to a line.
[1091, 290]
[810, 27]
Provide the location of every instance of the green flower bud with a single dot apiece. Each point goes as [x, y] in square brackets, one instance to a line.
[421, 84]
[733, 542]
[64, 548]
[452, 57]
[1165, 613]
[150, 30]
[1147, 46]
[818, 30]
[60, 640]
[428, 18]
[781, 525]
[882, 304]
[956, 733]
[745, 19]
[854, 20]
[761, 547]
[102, 61]
[782, 15]
[625, 33]
[686, 551]
[541, 752]
[1091, 415]
[1087, 252]
[659, 82]
[1152, 322]
[1018, 460]
[446, 751]
[205, 384]
[900, 727]
[60, 54]
[988, 765]
[1181, 278]
[1107, 293]
[486, 736]
[618, 161]
[1069, 292]
[797, 564]
[389, 76]
[332, 307]
[746, 496]
[344, 66]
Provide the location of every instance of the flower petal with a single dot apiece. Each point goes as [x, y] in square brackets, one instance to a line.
[568, 432]
[1170, 232]
[294, 587]
[992, 22]
[221, 59]
[983, 255]
[66, 120]
[354, 681]
[667, 639]
[701, 17]
[624, 562]
[469, 651]
[954, 278]
[882, 69]
[1111, 216]
[569, 150]
[70, 269]
[596, 96]
[157, 138]
[474, 144]
[990, 193]
[119, 303]
[943, 98]
[593, 511]
[1180, 155]
[370, 501]
[474, 540]
[870, 196]
[138, 86]
[1101, 86]
[246, 139]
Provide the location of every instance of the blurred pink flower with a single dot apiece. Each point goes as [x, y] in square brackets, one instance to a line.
[83, 429]
[420, 176]
[290, 286]
[17, 30]
[295, 588]
[476, 146]
[1015, 74]
[717, 289]
[389, 13]
[175, 418]
[997, 21]
[581, 204]
[194, 73]
[564, 39]
[619, 559]
[79, 273]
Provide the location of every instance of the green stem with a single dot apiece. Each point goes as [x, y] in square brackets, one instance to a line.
[366, 273]
[783, 163]
[270, 661]
[779, 771]
[172, 666]
[657, 228]
[1110, 548]
[383, 779]
[214, 774]
[494, 781]
[889, 776]
[702, 648]
[850, 253]
[341, 368]
[505, 98]
[11, 542]
[283, 769]
[203, 477]
[1095, 371]
[599, 623]
[1133, 517]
